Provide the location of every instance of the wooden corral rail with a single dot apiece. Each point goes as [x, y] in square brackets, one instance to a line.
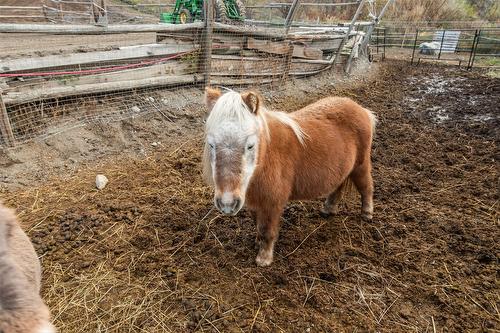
[239, 55]
[55, 11]
[247, 53]
[22, 12]
[123, 53]
[85, 29]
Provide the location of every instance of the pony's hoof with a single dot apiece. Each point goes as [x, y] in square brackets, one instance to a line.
[264, 259]
[324, 214]
[367, 217]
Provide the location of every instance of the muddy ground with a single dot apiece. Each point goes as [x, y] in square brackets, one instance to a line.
[149, 254]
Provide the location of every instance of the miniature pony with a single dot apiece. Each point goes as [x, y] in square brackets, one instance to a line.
[21, 308]
[264, 159]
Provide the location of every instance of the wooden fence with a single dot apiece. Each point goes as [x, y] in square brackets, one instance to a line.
[194, 53]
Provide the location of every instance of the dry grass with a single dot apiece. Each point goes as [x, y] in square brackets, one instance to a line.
[89, 294]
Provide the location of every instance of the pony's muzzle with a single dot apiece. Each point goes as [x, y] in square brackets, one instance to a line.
[228, 204]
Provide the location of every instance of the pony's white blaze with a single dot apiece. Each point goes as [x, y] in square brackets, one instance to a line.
[233, 131]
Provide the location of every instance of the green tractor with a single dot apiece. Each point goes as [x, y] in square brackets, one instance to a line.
[187, 11]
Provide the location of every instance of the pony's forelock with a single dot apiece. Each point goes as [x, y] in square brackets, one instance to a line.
[231, 106]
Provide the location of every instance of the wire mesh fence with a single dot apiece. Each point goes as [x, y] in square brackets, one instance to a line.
[69, 72]
[469, 47]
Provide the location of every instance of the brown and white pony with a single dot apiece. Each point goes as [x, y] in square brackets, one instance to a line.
[21, 307]
[264, 159]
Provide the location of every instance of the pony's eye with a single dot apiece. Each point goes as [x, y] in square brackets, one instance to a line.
[211, 145]
[250, 147]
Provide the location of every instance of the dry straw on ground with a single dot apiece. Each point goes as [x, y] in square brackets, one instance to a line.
[148, 253]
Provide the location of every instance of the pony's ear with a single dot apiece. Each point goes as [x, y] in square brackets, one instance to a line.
[252, 100]
[211, 97]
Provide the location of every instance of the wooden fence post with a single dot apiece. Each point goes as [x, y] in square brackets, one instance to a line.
[291, 15]
[349, 29]
[288, 23]
[44, 12]
[206, 41]
[61, 14]
[5, 127]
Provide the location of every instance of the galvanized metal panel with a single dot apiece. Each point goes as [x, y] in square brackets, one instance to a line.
[450, 40]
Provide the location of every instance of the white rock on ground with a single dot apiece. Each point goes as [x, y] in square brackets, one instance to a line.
[101, 181]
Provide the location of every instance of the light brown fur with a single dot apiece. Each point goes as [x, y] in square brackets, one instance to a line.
[21, 308]
[336, 150]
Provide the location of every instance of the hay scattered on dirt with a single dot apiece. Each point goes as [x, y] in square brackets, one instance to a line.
[148, 253]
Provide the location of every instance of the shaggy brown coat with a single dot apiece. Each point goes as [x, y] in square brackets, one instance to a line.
[335, 151]
[21, 307]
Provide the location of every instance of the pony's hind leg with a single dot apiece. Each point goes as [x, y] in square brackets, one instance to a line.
[330, 206]
[362, 179]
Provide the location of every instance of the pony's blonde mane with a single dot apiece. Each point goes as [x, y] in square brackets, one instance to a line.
[231, 106]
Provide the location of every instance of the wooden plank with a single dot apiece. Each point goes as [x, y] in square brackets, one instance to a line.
[298, 61]
[86, 29]
[28, 64]
[324, 45]
[240, 67]
[219, 46]
[242, 81]
[35, 94]
[177, 38]
[149, 77]
[248, 31]
[268, 46]
[221, 43]
[21, 16]
[5, 126]
[301, 51]
[221, 35]
[169, 68]
[283, 47]
[20, 7]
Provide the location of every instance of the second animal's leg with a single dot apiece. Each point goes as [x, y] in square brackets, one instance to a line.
[268, 225]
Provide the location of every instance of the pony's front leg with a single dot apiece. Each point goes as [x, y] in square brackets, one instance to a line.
[268, 225]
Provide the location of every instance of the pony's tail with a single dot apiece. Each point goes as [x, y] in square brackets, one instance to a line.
[345, 190]
[373, 120]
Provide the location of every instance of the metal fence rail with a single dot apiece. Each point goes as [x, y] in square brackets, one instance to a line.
[461, 45]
